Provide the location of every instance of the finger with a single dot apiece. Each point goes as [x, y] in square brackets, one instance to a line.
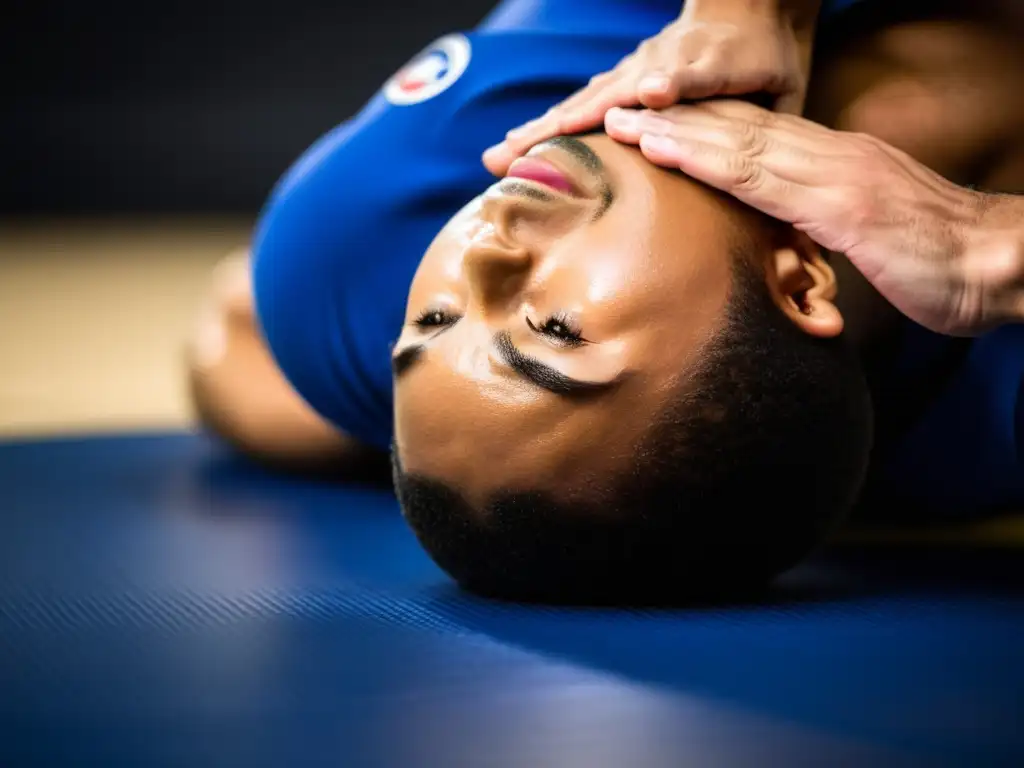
[743, 178]
[514, 135]
[803, 157]
[657, 89]
[742, 110]
[701, 79]
[792, 162]
[619, 91]
[552, 121]
[570, 116]
[630, 124]
[580, 118]
[519, 139]
[498, 158]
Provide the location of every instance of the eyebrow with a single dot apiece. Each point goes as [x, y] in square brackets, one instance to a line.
[540, 374]
[537, 373]
[589, 159]
[406, 359]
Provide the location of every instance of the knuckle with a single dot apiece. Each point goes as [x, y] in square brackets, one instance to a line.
[751, 140]
[761, 118]
[701, 61]
[555, 113]
[746, 175]
[558, 122]
[686, 48]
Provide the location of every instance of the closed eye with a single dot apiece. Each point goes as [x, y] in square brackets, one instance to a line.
[435, 319]
[561, 328]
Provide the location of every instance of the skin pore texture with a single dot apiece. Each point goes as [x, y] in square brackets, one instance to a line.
[548, 327]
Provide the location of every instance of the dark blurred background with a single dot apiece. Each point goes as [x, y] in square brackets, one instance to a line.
[188, 106]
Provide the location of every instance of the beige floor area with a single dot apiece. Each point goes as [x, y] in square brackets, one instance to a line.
[93, 315]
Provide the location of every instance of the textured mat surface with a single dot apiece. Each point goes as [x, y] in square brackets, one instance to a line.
[162, 604]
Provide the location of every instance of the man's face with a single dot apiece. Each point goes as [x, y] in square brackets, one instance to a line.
[552, 317]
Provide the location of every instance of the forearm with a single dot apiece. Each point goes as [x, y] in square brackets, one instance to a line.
[993, 261]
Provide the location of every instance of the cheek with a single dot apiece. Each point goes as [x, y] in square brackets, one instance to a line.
[421, 439]
[455, 235]
[445, 430]
[608, 279]
[439, 276]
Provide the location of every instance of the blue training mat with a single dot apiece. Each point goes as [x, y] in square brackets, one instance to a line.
[164, 604]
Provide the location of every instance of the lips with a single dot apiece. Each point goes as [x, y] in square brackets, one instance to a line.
[541, 172]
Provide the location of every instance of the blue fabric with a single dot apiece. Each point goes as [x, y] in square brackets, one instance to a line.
[162, 604]
[967, 454]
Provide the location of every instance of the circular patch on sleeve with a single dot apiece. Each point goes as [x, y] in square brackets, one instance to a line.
[430, 72]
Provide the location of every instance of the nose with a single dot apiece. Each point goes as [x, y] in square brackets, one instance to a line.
[496, 267]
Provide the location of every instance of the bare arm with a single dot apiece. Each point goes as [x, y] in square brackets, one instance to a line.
[240, 395]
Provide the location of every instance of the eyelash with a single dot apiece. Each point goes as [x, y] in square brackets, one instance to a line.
[559, 326]
[435, 318]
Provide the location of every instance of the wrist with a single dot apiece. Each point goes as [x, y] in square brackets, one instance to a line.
[801, 15]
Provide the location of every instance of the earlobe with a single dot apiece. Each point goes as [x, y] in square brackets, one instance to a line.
[804, 287]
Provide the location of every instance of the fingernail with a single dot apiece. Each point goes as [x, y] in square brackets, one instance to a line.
[634, 120]
[491, 154]
[655, 83]
[621, 118]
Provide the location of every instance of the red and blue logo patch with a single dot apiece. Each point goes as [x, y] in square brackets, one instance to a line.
[430, 72]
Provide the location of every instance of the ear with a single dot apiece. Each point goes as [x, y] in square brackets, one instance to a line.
[804, 286]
